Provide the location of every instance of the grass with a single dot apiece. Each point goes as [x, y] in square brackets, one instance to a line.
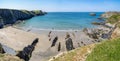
[75, 55]
[6, 57]
[106, 51]
[113, 19]
[1, 55]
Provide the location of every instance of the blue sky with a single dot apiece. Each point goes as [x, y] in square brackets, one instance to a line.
[63, 5]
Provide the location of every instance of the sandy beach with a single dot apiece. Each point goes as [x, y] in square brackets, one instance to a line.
[18, 39]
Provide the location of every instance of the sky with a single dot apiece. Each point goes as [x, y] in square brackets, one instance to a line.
[63, 5]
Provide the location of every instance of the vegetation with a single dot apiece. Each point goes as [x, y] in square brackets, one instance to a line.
[106, 51]
[5, 57]
[113, 19]
[25, 11]
[75, 55]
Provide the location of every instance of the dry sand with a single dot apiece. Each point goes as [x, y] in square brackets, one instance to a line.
[18, 39]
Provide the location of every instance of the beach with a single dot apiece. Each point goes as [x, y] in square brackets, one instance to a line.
[18, 39]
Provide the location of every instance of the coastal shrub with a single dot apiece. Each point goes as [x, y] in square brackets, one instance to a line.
[113, 19]
[106, 51]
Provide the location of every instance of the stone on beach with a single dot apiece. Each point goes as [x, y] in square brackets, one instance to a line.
[69, 43]
[54, 41]
[59, 46]
[27, 51]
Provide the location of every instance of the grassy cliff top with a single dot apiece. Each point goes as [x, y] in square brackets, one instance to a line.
[106, 51]
[113, 19]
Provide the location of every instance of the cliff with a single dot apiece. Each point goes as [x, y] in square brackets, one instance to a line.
[113, 20]
[10, 16]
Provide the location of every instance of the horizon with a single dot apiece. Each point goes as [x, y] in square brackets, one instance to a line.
[62, 5]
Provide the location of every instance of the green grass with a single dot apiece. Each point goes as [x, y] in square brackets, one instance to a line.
[106, 51]
[1, 55]
[113, 19]
[75, 55]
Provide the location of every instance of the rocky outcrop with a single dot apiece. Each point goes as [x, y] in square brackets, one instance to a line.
[69, 44]
[10, 16]
[27, 51]
[109, 14]
[54, 41]
[93, 14]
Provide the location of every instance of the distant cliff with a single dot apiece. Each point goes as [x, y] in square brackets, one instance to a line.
[10, 16]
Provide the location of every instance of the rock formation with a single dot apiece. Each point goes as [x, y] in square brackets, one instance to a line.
[92, 14]
[11, 16]
[69, 43]
[27, 51]
[54, 41]
[59, 46]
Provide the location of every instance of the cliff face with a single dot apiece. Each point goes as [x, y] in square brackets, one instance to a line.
[10, 16]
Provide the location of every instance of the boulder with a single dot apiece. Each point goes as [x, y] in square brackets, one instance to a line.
[93, 14]
[27, 51]
[59, 46]
[54, 41]
[69, 44]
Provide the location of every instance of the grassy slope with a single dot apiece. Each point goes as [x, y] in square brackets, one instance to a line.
[114, 19]
[76, 55]
[5, 57]
[106, 51]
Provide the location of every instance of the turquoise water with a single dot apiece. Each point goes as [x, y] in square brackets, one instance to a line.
[62, 21]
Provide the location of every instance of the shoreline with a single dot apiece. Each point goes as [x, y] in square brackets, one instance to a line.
[21, 38]
[58, 30]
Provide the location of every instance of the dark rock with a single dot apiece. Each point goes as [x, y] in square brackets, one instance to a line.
[1, 49]
[93, 14]
[59, 46]
[27, 51]
[96, 23]
[49, 33]
[54, 41]
[104, 36]
[100, 18]
[94, 36]
[96, 33]
[69, 44]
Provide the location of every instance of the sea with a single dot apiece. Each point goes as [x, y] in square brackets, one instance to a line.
[62, 21]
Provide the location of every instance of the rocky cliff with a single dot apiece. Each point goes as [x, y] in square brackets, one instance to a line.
[113, 19]
[10, 16]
